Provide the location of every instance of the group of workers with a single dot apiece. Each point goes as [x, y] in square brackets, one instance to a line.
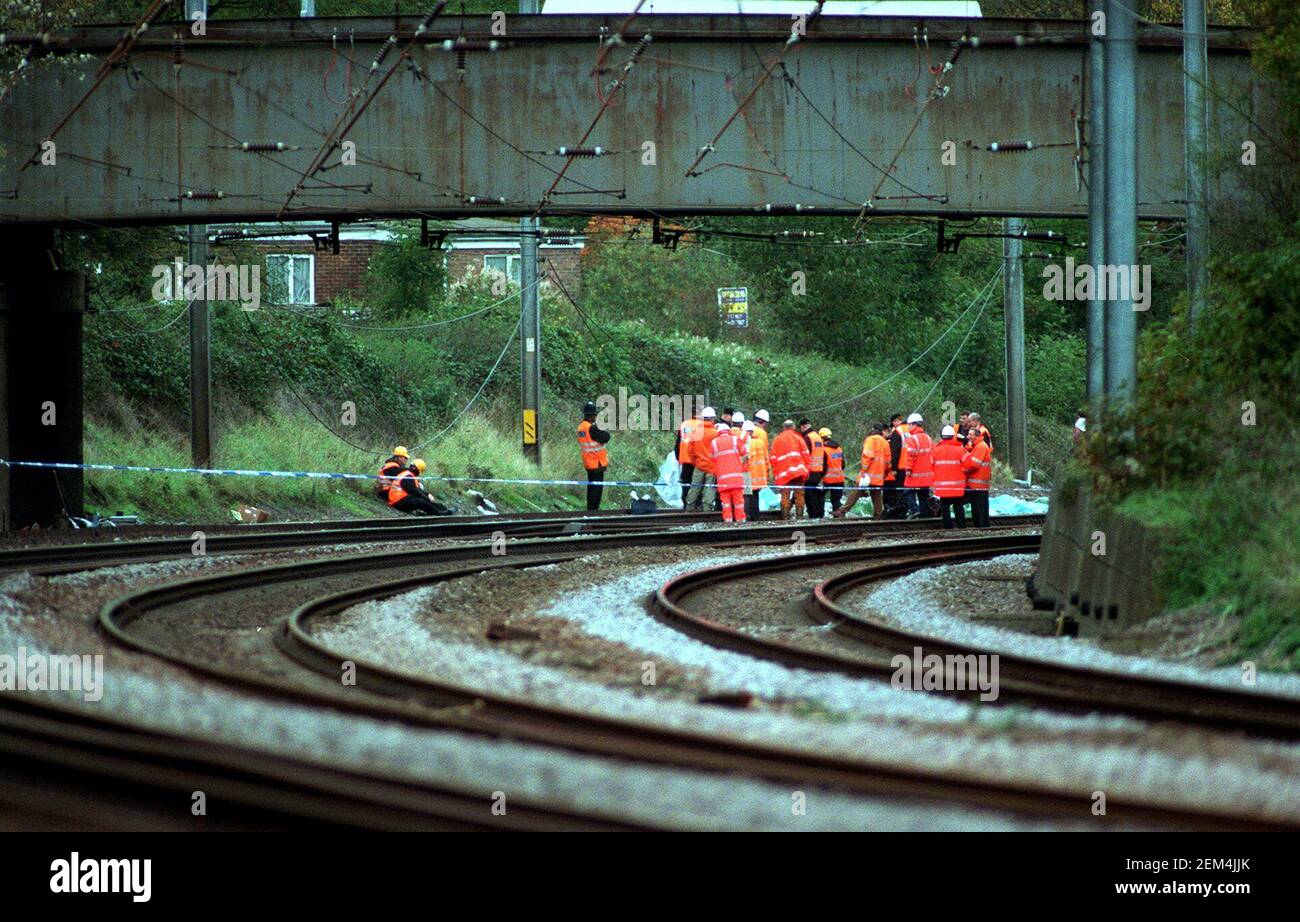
[728, 459]
[398, 484]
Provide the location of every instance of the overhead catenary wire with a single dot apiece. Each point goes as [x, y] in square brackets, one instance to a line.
[981, 295]
[477, 394]
[960, 346]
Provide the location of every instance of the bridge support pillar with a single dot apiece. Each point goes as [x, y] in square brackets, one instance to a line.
[41, 312]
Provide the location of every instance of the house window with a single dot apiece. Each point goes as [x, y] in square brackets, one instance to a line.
[506, 264]
[290, 278]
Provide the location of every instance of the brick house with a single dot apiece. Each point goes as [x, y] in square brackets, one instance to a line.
[302, 268]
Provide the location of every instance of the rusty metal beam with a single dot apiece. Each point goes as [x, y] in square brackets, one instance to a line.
[462, 133]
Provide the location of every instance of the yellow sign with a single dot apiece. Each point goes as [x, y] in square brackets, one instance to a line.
[530, 427]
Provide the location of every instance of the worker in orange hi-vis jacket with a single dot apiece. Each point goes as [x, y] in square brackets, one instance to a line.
[919, 466]
[790, 461]
[872, 474]
[978, 465]
[949, 484]
[760, 466]
[832, 469]
[729, 469]
[703, 482]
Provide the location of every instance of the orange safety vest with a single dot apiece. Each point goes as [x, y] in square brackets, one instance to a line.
[978, 464]
[398, 492]
[594, 455]
[686, 433]
[904, 463]
[834, 464]
[759, 466]
[727, 465]
[875, 461]
[920, 463]
[815, 451]
[389, 470]
[789, 457]
[949, 479]
[701, 457]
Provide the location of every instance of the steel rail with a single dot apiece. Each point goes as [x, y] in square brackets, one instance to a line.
[667, 603]
[66, 747]
[431, 702]
[1073, 685]
[63, 558]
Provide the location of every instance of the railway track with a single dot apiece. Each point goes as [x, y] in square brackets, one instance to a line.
[148, 777]
[66, 558]
[427, 701]
[1025, 679]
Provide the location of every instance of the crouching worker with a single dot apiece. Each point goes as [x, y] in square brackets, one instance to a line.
[729, 463]
[407, 494]
[389, 470]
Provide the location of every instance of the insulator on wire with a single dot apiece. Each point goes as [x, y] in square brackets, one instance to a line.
[383, 52]
[463, 44]
[770, 208]
[485, 200]
[197, 195]
[1006, 147]
[260, 147]
[579, 152]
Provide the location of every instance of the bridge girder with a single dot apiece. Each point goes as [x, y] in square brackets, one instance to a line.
[842, 121]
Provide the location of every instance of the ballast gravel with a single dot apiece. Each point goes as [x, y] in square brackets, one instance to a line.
[850, 717]
[145, 693]
[921, 601]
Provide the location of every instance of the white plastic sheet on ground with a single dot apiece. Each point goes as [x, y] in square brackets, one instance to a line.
[669, 487]
[1006, 504]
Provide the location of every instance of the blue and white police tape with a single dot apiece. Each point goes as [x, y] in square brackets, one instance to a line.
[325, 475]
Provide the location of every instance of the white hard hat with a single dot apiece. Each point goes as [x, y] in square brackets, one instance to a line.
[723, 424]
[915, 418]
[737, 417]
[762, 414]
[1081, 424]
[747, 427]
[947, 432]
[708, 413]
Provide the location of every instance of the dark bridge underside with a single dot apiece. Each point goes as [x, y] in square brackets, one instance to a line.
[820, 135]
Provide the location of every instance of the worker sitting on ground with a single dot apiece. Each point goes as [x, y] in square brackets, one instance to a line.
[949, 484]
[407, 494]
[729, 464]
[790, 460]
[389, 470]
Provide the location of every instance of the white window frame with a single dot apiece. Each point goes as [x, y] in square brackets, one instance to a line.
[311, 273]
[512, 262]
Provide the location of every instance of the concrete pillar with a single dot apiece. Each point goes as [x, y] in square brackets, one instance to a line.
[1096, 362]
[1195, 73]
[40, 348]
[1121, 196]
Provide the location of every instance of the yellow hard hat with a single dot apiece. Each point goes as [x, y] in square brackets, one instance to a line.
[419, 464]
[401, 452]
[824, 433]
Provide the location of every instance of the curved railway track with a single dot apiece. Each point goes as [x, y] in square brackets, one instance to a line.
[1032, 680]
[428, 701]
[53, 559]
